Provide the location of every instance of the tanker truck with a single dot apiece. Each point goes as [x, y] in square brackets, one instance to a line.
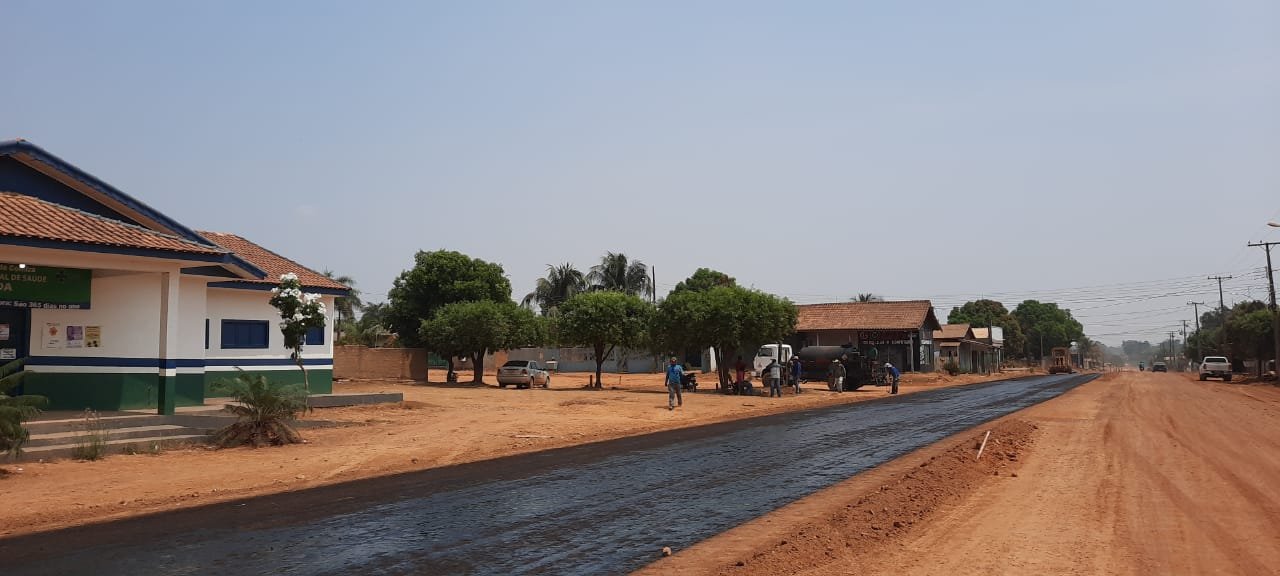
[816, 361]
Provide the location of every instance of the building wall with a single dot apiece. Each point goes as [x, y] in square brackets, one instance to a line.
[122, 373]
[391, 363]
[273, 361]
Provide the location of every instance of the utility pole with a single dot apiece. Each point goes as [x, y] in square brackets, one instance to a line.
[1222, 304]
[1275, 314]
[1172, 343]
[1183, 364]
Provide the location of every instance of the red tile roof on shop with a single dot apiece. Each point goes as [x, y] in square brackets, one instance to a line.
[905, 315]
[30, 217]
[952, 332]
[273, 264]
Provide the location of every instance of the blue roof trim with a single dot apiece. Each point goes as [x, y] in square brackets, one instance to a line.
[10, 147]
[215, 271]
[102, 362]
[242, 285]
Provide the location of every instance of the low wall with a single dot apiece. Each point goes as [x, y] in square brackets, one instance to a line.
[583, 359]
[391, 363]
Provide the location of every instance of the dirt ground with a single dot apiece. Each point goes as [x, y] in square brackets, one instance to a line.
[437, 425]
[1134, 473]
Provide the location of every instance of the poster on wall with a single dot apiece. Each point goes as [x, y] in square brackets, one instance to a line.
[75, 336]
[53, 335]
[8, 353]
[92, 336]
[4, 331]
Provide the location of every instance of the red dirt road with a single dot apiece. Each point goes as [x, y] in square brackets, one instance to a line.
[1134, 473]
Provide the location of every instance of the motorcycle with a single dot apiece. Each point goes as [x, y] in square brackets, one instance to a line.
[689, 382]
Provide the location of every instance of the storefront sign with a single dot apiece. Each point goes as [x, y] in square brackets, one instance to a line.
[884, 337]
[45, 287]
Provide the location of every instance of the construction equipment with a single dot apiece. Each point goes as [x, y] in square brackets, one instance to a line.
[1060, 361]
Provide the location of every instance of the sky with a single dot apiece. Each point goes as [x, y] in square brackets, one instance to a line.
[1105, 155]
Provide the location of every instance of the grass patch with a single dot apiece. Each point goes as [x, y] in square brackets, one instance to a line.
[92, 444]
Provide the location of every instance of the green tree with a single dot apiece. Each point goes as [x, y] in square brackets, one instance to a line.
[603, 321]
[14, 410]
[988, 313]
[617, 273]
[1136, 351]
[265, 413]
[560, 284]
[1045, 322]
[369, 329]
[474, 329]
[1249, 331]
[725, 318]
[439, 278]
[867, 297]
[704, 279]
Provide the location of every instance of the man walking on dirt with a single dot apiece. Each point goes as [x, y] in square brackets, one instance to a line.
[797, 370]
[835, 376]
[675, 374]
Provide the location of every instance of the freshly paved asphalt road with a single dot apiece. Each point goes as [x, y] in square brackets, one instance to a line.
[605, 508]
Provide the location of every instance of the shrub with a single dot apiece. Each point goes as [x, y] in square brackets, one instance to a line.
[951, 367]
[266, 413]
[92, 445]
[14, 410]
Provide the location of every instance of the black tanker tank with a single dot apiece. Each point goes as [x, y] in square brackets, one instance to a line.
[816, 361]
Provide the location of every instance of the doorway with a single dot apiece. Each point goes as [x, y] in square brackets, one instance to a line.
[15, 336]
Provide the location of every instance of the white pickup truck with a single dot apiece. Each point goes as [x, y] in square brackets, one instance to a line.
[1215, 367]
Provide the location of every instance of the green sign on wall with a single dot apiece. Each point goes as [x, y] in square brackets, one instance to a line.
[45, 287]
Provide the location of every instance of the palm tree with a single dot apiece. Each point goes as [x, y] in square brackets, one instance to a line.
[561, 283]
[615, 272]
[867, 297]
[346, 306]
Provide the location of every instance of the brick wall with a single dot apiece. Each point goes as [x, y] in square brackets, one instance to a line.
[396, 363]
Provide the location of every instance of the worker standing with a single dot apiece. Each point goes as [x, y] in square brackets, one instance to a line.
[835, 376]
[773, 375]
[675, 374]
[797, 370]
[892, 372]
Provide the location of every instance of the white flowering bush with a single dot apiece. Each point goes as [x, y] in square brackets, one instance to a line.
[299, 312]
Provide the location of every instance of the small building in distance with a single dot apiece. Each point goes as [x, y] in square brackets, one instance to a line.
[896, 332]
[960, 343]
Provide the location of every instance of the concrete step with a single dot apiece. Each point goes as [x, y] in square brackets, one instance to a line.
[117, 446]
[163, 430]
[110, 422]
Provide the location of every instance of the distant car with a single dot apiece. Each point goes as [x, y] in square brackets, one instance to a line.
[1215, 367]
[1159, 367]
[523, 374]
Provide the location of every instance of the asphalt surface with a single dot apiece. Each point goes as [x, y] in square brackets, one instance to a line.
[604, 508]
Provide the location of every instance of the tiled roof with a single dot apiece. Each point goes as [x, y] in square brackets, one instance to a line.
[270, 262]
[30, 217]
[906, 315]
[952, 332]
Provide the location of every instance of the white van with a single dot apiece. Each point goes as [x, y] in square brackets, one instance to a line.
[768, 353]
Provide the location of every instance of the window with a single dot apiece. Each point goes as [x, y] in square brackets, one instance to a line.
[315, 336]
[244, 333]
[206, 333]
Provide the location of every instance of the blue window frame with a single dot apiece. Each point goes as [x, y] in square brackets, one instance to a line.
[206, 333]
[315, 336]
[245, 333]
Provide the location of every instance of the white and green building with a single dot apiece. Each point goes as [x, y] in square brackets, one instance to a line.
[113, 305]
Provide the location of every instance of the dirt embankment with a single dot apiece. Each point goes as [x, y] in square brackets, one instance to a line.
[437, 425]
[1130, 474]
[847, 524]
